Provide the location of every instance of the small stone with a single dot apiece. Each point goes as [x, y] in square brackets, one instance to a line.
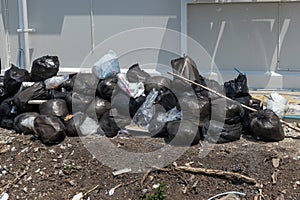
[144, 191]
[283, 191]
[29, 178]
[60, 173]
[5, 149]
[25, 150]
[52, 151]
[38, 170]
[275, 162]
[36, 149]
[72, 182]
[13, 149]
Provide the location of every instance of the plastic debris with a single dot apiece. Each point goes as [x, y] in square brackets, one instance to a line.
[145, 113]
[122, 171]
[132, 89]
[78, 196]
[278, 104]
[4, 196]
[107, 66]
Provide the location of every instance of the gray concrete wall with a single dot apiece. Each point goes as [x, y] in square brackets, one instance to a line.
[65, 28]
[258, 38]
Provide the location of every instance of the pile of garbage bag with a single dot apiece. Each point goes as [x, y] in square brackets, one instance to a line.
[104, 102]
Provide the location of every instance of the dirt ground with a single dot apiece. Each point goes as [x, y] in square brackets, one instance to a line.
[64, 170]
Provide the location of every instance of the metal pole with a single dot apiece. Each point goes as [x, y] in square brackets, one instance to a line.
[23, 30]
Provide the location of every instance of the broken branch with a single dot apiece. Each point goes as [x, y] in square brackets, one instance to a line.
[91, 190]
[145, 177]
[12, 183]
[220, 173]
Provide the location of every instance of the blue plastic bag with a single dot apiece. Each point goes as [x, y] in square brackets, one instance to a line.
[107, 66]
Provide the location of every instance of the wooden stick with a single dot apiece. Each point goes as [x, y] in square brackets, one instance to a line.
[123, 184]
[13, 182]
[91, 190]
[145, 177]
[220, 173]
[223, 96]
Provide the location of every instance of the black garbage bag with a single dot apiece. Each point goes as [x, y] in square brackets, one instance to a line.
[214, 85]
[218, 132]
[167, 99]
[82, 125]
[13, 79]
[7, 123]
[229, 112]
[237, 87]
[8, 111]
[54, 107]
[99, 107]
[186, 67]
[68, 84]
[181, 89]
[3, 94]
[135, 104]
[44, 67]
[181, 133]
[255, 104]
[265, 125]
[121, 120]
[78, 102]
[135, 74]
[157, 82]
[106, 87]
[8, 108]
[24, 123]
[195, 108]
[72, 125]
[35, 92]
[108, 125]
[245, 100]
[120, 102]
[54, 94]
[49, 129]
[85, 84]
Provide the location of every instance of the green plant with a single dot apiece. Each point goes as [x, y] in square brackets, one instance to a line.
[159, 194]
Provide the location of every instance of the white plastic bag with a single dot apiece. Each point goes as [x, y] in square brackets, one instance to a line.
[145, 113]
[55, 81]
[107, 66]
[89, 126]
[278, 104]
[132, 89]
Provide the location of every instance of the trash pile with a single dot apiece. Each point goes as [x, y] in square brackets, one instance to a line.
[105, 102]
